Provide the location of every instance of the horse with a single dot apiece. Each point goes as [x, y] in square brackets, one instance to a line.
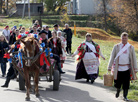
[31, 63]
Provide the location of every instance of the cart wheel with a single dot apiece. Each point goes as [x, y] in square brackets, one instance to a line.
[21, 83]
[56, 80]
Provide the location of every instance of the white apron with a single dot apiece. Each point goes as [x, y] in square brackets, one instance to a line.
[90, 61]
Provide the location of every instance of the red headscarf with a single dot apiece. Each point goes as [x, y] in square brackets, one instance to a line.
[6, 27]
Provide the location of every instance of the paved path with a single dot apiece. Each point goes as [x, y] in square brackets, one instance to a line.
[70, 90]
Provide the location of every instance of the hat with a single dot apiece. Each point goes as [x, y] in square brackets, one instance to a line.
[43, 32]
[46, 26]
[15, 27]
[55, 25]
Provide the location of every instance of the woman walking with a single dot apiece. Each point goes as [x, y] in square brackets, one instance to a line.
[88, 66]
[3, 46]
[63, 45]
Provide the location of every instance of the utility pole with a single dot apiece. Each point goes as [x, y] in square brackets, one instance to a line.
[1, 6]
[7, 7]
[29, 9]
[105, 15]
[23, 10]
[74, 7]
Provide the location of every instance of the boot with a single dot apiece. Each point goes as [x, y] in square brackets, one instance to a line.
[6, 82]
[59, 69]
[87, 80]
[117, 93]
[92, 81]
[125, 92]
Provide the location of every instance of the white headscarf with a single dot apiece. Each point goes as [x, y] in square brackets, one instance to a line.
[58, 33]
[4, 37]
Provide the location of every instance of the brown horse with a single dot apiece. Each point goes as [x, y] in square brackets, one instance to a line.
[31, 63]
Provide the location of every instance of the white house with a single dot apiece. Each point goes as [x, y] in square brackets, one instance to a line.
[82, 7]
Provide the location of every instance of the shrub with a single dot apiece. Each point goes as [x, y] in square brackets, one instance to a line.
[133, 36]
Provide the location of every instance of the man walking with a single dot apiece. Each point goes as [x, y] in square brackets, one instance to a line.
[68, 34]
[123, 64]
[49, 35]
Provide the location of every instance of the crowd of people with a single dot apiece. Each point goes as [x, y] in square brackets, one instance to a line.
[122, 63]
[56, 39]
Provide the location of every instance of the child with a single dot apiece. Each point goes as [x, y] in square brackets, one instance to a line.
[3, 46]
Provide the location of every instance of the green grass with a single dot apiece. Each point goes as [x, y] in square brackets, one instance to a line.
[73, 17]
[81, 20]
[106, 48]
[16, 22]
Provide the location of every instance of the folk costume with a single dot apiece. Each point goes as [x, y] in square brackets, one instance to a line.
[6, 33]
[55, 44]
[88, 65]
[63, 45]
[124, 65]
[55, 56]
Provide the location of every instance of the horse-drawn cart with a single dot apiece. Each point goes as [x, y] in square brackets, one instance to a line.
[51, 73]
[28, 60]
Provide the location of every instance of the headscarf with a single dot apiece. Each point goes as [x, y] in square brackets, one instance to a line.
[4, 37]
[6, 27]
[58, 33]
[88, 34]
[44, 26]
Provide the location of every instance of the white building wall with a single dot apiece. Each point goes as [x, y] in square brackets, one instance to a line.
[87, 6]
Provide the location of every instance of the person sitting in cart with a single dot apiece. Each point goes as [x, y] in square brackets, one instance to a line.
[55, 56]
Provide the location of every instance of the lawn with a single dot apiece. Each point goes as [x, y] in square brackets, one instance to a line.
[106, 48]
[16, 22]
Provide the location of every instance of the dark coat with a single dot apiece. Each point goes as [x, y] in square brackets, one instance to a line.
[68, 34]
[12, 38]
[51, 45]
[31, 31]
[45, 41]
[3, 45]
[49, 34]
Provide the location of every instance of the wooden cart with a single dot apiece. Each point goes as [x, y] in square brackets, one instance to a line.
[52, 75]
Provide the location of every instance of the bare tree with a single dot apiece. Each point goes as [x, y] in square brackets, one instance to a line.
[102, 7]
[105, 14]
[127, 14]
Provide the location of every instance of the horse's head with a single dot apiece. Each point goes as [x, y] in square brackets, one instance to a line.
[29, 50]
